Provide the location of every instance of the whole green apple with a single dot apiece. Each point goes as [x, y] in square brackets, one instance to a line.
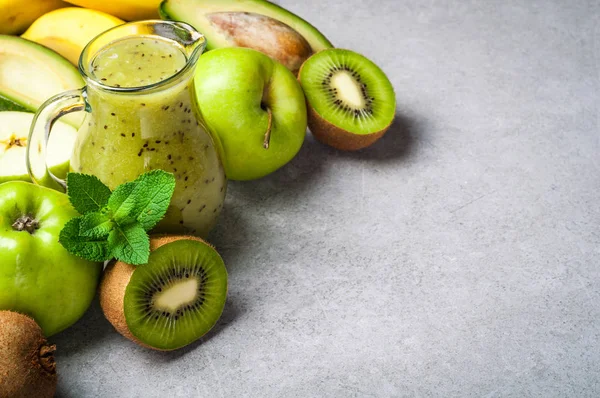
[38, 277]
[254, 107]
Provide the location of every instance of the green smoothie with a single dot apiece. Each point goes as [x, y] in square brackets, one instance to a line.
[128, 132]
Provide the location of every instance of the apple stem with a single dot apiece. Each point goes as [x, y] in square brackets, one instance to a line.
[26, 223]
[267, 140]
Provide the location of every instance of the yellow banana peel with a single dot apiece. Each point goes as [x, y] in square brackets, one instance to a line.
[129, 10]
[17, 15]
[68, 30]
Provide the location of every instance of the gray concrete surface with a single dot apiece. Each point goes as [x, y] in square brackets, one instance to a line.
[458, 257]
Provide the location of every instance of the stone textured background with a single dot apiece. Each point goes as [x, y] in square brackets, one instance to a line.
[457, 257]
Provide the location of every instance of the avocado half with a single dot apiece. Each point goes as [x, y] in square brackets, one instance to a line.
[256, 24]
[32, 73]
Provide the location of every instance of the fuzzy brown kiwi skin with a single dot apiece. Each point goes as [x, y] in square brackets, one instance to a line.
[114, 283]
[338, 138]
[27, 366]
[334, 136]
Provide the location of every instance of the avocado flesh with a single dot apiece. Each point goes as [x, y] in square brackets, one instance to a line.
[198, 14]
[31, 73]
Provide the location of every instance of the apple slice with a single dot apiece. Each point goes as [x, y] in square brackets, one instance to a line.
[14, 129]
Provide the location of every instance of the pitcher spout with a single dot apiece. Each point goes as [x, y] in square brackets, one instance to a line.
[189, 38]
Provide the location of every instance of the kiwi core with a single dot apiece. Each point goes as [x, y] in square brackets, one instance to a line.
[348, 89]
[347, 93]
[179, 294]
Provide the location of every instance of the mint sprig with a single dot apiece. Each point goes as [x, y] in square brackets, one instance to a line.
[115, 224]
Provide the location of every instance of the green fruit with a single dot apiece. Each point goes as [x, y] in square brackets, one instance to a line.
[351, 102]
[38, 277]
[27, 367]
[14, 129]
[171, 301]
[256, 24]
[32, 73]
[9, 105]
[254, 106]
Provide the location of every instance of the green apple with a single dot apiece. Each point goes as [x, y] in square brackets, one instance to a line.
[38, 277]
[14, 129]
[254, 107]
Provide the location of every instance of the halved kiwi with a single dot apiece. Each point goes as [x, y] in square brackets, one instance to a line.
[351, 102]
[172, 300]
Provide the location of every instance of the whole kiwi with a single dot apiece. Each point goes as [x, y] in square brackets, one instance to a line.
[27, 366]
[141, 305]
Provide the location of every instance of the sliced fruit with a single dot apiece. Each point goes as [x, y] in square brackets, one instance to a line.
[27, 366]
[9, 105]
[256, 24]
[68, 30]
[171, 301]
[31, 73]
[16, 15]
[129, 10]
[351, 102]
[14, 129]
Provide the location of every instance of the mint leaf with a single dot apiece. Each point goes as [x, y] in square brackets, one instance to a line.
[147, 202]
[95, 225]
[93, 249]
[86, 192]
[120, 205]
[154, 196]
[130, 243]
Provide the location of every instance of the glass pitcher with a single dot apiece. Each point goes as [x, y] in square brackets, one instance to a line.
[140, 115]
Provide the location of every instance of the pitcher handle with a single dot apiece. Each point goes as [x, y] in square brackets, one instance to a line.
[39, 133]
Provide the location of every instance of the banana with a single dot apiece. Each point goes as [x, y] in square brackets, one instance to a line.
[68, 30]
[129, 10]
[17, 15]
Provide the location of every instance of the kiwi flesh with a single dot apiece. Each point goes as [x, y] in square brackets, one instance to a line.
[27, 366]
[171, 301]
[351, 102]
